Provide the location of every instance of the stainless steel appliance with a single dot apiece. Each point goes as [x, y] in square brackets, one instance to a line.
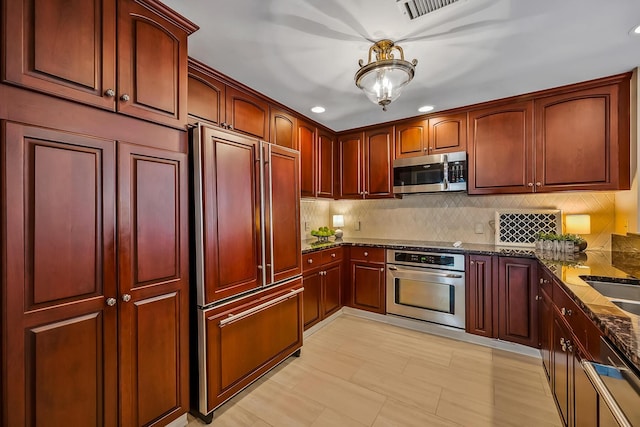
[426, 286]
[246, 237]
[618, 388]
[428, 174]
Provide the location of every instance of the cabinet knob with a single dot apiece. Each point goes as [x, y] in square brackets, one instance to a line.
[111, 302]
[538, 184]
[126, 297]
[472, 262]
[109, 93]
[530, 184]
[124, 97]
[565, 312]
[310, 261]
[366, 254]
[230, 126]
[425, 149]
[382, 270]
[333, 255]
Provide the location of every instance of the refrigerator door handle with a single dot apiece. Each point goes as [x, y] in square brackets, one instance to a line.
[263, 254]
[235, 317]
[271, 257]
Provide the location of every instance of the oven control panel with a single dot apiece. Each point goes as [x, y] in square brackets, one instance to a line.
[427, 259]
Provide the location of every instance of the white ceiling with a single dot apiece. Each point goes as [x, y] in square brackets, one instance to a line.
[303, 53]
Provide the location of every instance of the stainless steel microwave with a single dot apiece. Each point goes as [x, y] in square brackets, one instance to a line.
[429, 174]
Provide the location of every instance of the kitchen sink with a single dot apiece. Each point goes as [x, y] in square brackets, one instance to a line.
[629, 306]
[615, 290]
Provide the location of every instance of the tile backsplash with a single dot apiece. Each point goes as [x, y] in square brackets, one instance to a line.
[454, 216]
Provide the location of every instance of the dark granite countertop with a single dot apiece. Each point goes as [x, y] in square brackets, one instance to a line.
[621, 327]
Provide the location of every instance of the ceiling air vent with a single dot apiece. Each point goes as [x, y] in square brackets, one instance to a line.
[416, 8]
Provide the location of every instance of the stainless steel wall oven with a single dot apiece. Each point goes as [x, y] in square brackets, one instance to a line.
[426, 286]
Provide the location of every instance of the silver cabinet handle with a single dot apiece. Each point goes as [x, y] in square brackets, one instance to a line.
[541, 280]
[126, 297]
[109, 93]
[529, 184]
[472, 262]
[333, 255]
[382, 270]
[124, 97]
[538, 184]
[366, 254]
[605, 394]
[235, 317]
[565, 312]
[310, 261]
[111, 302]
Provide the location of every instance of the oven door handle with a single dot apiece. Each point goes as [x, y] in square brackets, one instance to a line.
[431, 273]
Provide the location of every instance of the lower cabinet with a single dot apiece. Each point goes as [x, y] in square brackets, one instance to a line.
[322, 280]
[246, 338]
[502, 298]
[367, 273]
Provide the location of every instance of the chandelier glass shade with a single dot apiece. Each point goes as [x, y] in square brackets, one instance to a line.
[383, 80]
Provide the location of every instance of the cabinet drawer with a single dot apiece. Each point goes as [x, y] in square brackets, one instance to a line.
[367, 254]
[332, 255]
[311, 260]
[570, 312]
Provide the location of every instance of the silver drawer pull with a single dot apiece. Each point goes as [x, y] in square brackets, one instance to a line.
[249, 312]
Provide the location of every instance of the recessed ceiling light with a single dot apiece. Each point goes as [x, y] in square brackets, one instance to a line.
[635, 31]
[426, 108]
[318, 109]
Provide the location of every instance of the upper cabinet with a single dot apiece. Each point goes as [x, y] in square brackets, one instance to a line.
[124, 68]
[366, 163]
[436, 135]
[317, 160]
[283, 129]
[212, 100]
[574, 138]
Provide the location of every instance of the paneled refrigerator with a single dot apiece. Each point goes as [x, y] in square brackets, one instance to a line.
[246, 229]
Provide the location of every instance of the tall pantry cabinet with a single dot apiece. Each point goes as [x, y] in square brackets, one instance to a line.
[94, 224]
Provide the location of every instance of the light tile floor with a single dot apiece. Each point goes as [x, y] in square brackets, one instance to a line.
[359, 372]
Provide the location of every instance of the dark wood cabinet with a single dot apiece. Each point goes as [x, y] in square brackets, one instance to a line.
[448, 133]
[213, 100]
[517, 300]
[368, 280]
[322, 281]
[284, 129]
[582, 140]
[479, 316]
[246, 338]
[436, 135]
[412, 139]
[326, 163]
[112, 330]
[317, 160]
[123, 67]
[545, 316]
[501, 149]
[574, 138]
[366, 164]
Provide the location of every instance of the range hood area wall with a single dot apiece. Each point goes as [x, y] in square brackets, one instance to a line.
[453, 216]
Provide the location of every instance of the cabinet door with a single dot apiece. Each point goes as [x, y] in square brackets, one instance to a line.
[247, 114]
[332, 289]
[206, 98]
[312, 298]
[577, 140]
[230, 214]
[368, 287]
[412, 139]
[562, 370]
[326, 161]
[350, 166]
[448, 133]
[152, 66]
[501, 149]
[307, 148]
[378, 163]
[153, 284]
[283, 129]
[284, 252]
[58, 240]
[247, 339]
[517, 305]
[62, 47]
[479, 300]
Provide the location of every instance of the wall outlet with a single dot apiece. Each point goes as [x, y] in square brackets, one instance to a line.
[479, 228]
[356, 225]
[307, 226]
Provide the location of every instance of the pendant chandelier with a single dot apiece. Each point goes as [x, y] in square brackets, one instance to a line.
[383, 80]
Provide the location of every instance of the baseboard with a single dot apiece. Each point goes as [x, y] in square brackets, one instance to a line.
[179, 422]
[315, 328]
